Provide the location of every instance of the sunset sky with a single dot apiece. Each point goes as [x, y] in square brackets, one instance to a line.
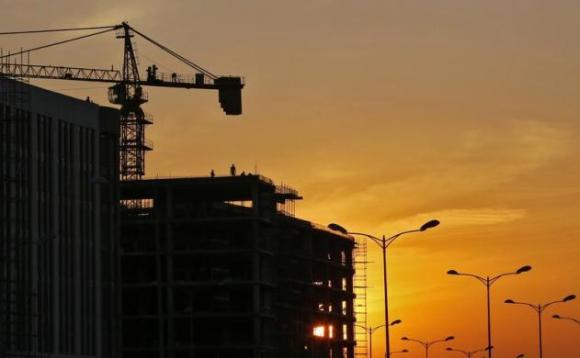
[383, 114]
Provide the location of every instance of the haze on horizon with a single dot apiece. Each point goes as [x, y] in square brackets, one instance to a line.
[383, 114]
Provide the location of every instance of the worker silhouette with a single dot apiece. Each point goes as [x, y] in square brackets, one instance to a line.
[233, 170]
[212, 173]
[152, 73]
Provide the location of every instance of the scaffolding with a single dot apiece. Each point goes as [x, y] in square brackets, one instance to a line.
[286, 199]
[18, 313]
[360, 290]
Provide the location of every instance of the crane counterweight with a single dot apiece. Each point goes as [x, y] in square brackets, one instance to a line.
[230, 94]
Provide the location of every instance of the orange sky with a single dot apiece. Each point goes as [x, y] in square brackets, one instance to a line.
[382, 114]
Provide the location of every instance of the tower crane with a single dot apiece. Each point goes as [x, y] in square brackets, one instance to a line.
[127, 89]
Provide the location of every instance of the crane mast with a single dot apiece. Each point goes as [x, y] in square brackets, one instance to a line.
[130, 96]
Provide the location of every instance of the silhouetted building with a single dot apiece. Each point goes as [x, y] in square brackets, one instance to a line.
[58, 217]
[219, 267]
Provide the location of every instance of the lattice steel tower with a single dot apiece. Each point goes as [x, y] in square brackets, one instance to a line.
[129, 94]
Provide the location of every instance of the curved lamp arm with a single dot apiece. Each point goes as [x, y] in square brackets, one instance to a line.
[359, 326]
[385, 242]
[566, 318]
[540, 308]
[446, 339]
[375, 239]
[424, 344]
[495, 278]
[374, 329]
[426, 226]
[477, 277]
[481, 350]
[389, 240]
[521, 270]
[512, 302]
[492, 280]
[457, 350]
[565, 299]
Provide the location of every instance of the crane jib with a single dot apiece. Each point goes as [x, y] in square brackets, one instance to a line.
[229, 87]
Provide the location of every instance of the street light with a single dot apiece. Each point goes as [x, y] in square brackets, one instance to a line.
[468, 354]
[428, 344]
[566, 318]
[539, 308]
[371, 330]
[384, 243]
[488, 281]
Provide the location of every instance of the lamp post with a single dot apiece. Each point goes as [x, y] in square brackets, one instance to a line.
[384, 243]
[566, 318]
[468, 354]
[488, 281]
[371, 330]
[539, 308]
[428, 344]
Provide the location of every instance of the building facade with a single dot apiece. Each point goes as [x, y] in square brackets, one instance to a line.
[218, 267]
[58, 216]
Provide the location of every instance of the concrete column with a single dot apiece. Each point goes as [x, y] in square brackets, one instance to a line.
[79, 266]
[96, 220]
[169, 271]
[257, 324]
[34, 232]
[55, 173]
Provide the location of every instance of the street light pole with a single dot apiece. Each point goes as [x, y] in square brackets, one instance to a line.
[488, 282]
[384, 243]
[428, 344]
[386, 295]
[488, 286]
[539, 308]
[370, 342]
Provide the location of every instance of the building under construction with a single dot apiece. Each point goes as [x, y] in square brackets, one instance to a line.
[58, 210]
[219, 267]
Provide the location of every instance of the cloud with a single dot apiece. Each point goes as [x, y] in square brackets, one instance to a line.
[484, 170]
[113, 12]
[463, 217]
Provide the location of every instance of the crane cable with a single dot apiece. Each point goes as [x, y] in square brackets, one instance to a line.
[58, 30]
[176, 55]
[57, 43]
[106, 29]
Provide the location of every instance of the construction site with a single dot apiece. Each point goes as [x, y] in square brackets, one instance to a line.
[98, 260]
